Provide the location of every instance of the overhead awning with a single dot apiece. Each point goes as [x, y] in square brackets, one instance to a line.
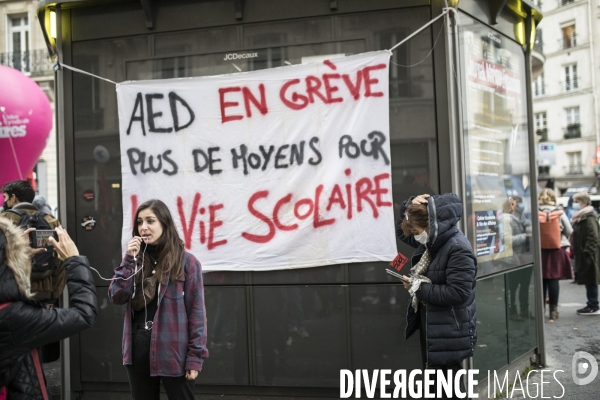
[588, 187]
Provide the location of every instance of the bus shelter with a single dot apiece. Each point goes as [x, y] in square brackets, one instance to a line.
[460, 121]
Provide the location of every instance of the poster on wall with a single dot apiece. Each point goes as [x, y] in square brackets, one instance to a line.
[496, 148]
[274, 169]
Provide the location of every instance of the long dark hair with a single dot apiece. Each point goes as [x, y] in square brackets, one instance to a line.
[170, 246]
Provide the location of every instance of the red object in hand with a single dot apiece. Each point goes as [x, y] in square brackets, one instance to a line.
[399, 262]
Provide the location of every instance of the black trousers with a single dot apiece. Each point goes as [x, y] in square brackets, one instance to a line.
[146, 387]
[445, 368]
[551, 289]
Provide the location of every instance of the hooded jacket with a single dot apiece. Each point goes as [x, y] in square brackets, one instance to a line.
[449, 299]
[26, 324]
[586, 247]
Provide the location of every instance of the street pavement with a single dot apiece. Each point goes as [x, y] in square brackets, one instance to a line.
[568, 334]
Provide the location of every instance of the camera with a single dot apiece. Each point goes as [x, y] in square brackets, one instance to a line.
[39, 238]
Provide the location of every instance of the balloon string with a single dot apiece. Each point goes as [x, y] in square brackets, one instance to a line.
[15, 157]
[12, 146]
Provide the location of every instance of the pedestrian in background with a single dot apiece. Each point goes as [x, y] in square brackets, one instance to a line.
[164, 332]
[40, 203]
[556, 264]
[519, 282]
[25, 324]
[586, 248]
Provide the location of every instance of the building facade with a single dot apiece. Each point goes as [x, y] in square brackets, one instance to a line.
[22, 47]
[565, 94]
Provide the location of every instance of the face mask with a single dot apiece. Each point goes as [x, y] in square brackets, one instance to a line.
[576, 206]
[6, 206]
[521, 207]
[422, 237]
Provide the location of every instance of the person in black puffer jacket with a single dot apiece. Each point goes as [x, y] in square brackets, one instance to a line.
[26, 324]
[442, 280]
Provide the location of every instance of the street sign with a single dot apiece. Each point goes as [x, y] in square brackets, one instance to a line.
[546, 154]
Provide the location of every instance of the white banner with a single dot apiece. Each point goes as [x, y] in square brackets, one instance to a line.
[274, 169]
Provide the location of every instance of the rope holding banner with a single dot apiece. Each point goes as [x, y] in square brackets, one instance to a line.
[58, 65]
[446, 11]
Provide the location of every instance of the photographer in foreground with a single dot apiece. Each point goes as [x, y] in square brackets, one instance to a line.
[442, 280]
[25, 324]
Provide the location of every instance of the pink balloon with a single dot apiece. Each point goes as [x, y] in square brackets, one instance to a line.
[25, 123]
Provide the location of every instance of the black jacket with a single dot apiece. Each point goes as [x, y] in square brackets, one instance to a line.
[26, 324]
[586, 247]
[449, 300]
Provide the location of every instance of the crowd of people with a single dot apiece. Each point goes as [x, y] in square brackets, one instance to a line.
[161, 285]
[164, 333]
[576, 255]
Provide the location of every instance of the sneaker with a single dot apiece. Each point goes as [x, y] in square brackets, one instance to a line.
[588, 311]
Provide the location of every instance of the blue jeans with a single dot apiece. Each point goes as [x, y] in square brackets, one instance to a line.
[592, 296]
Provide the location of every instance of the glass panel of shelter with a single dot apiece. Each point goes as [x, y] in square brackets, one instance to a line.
[498, 182]
[521, 322]
[492, 331]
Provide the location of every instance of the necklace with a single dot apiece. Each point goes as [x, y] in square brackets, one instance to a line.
[154, 263]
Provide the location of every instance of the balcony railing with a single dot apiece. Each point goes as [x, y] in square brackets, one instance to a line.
[34, 62]
[574, 169]
[538, 45]
[572, 131]
[571, 84]
[568, 42]
[539, 90]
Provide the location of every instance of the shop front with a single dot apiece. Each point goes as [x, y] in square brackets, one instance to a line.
[460, 121]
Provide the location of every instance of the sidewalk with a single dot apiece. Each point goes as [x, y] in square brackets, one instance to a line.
[565, 336]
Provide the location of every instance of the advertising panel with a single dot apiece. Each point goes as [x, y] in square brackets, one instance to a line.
[496, 148]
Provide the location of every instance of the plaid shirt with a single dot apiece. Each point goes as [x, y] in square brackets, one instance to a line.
[178, 341]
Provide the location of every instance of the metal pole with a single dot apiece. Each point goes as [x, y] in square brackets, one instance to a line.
[455, 118]
[455, 114]
[65, 346]
[535, 239]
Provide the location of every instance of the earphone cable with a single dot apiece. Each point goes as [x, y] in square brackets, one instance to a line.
[129, 277]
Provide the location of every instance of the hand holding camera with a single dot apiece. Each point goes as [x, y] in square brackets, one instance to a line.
[30, 233]
[65, 247]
